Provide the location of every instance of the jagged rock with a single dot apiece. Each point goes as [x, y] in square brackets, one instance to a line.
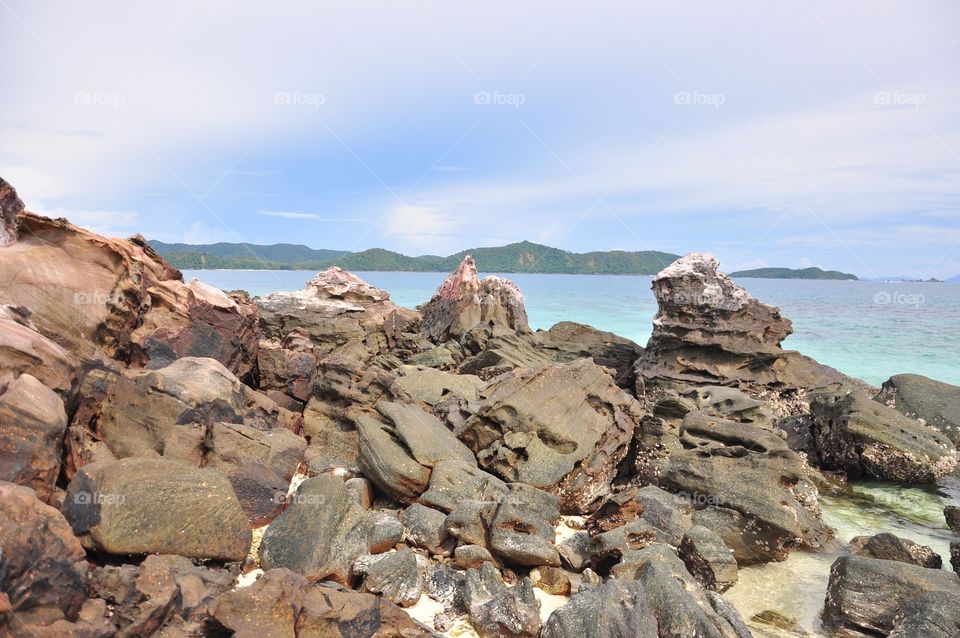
[615, 609]
[324, 531]
[471, 556]
[498, 611]
[933, 615]
[116, 298]
[709, 330]
[575, 551]
[334, 308]
[522, 528]
[288, 366]
[568, 341]
[424, 527]
[281, 603]
[568, 443]
[500, 350]
[396, 577]
[446, 586]
[864, 595]
[552, 580]
[668, 514]
[10, 207]
[708, 559]
[464, 301]
[43, 576]
[23, 350]
[469, 522]
[453, 482]
[889, 547]
[952, 515]
[955, 556]
[919, 397]
[157, 506]
[865, 438]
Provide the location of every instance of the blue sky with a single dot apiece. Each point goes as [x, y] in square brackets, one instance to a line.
[771, 134]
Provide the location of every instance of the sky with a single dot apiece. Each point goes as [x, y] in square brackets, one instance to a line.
[790, 133]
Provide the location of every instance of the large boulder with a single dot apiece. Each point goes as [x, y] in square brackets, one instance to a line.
[115, 298]
[865, 596]
[288, 366]
[498, 611]
[334, 308]
[562, 428]
[615, 609]
[887, 546]
[139, 505]
[709, 330]
[464, 301]
[567, 341]
[866, 438]
[918, 397]
[10, 207]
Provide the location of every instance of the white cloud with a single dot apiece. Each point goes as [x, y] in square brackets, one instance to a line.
[422, 227]
[200, 233]
[289, 214]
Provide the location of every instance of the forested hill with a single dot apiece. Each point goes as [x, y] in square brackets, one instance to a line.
[793, 273]
[513, 258]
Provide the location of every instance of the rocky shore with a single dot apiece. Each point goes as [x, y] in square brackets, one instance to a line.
[180, 461]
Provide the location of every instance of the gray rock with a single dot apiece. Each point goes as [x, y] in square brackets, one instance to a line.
[610, 547]
[708, 559]
[432, 386]
[575, 551]
[427, 439]
[933, 615]
[361, 491]
[471, 556]
[523, 533]
[615, 609]
[889, 547]
[388, 463]
[447, 586]
[502, 350]
[955, 556]
[396, 577]
[668, 514]
[864, 595]
[288, 366]
[568, 341]
[918, 397]
[952, 515]
[424, 527]
[498, 611]
[470, 522]
[728, 612]
[453, 482]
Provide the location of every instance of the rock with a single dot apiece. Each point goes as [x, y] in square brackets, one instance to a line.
[710, 331]
[522, 528]
[114, 298]
[282, 603]
[865, 438]
[889, 547]
[43, 576]
[288, 366]
[933, 615]
[386, 460]
[157, 506]
[615, 609]
[10, 207]
[334, 308]
[568, 341]
[361, 491]
[324, 531]
[471, 556]
[396, 577]
[552, 580]
[25, 351]
[424, 527]
[864, 595]
[567, 443]
[668, 514]
[955, 556]
[918, 397]
[729, 613]
[708, 559]
[430, 386]
[952, 514]
[498, 611]
[453, 482]
[447, 586]
[497, 350]
[575, 551]
[464, 301]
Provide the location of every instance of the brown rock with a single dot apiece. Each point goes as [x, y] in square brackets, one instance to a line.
[289, 366]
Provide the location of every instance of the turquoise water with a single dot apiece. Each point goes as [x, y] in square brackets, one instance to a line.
[870, 330]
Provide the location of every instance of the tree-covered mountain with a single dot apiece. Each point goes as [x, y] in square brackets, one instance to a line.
[514, 258]
[793, 273]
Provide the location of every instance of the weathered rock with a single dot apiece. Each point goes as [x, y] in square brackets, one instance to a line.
[453, 482]
[10, 206]
[575, 551]
[118, 298]
[668, 514]
[424, 527]
[955, 556]
[522, 528]
[281, 603]
[933, 615]
[288, 366]
[386, 461]
[334, 308]
[396, 577]
[43, 576]
[918, 397]
[711, 331]
[464, 301]
[568, 341]
[552, 580]
[498, 611]
[499, 350]
[567, 442]
[23, 350]
[446, 586]
[865, 438]
[431, 386]
[889, 547]
[708, 559]
[952, 515]
[615, 609]
[864, 595]
[324, 531]
[471, 556]
[157, 506]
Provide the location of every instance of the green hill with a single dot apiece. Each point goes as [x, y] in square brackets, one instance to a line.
[514, 258]
[793, 273]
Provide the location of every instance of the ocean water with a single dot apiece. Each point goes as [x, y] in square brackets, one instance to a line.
[870, 330]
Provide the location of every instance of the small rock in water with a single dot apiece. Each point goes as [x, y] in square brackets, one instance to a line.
[952, 514]
[889, 547]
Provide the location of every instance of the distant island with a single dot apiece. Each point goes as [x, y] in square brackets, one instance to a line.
[521, 257]
[793, 273]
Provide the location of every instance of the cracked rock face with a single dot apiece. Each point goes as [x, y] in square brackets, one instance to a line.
[709, 330]
[567, 442]
[464, 301]
[10, 207]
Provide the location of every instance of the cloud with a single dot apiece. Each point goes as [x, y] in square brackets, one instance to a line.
[287, 214]
[424, 228]
[200, 233]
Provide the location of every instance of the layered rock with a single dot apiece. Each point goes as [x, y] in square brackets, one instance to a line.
[886, 546]
[288, 367]
[567, 341]
[563, 428]
[10, 207]
[464, 301]
[918, 397]
[709, 330]
[115, 298]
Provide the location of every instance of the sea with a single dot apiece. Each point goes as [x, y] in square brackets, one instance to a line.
[867, 329]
